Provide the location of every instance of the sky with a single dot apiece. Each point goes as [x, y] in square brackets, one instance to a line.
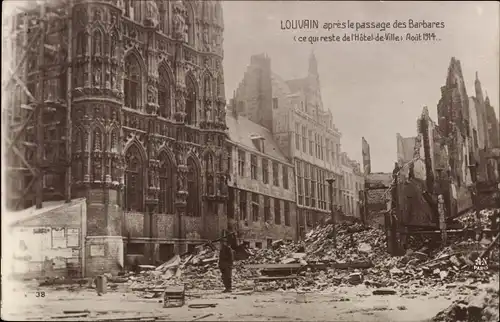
[374, 90]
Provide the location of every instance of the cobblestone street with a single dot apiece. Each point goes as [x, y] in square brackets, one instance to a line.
[344, 304]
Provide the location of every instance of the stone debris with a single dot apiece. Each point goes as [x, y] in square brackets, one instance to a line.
[478, 307]
[468, 220]
[315, 264]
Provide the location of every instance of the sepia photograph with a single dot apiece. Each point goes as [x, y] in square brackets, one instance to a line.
[225, 160]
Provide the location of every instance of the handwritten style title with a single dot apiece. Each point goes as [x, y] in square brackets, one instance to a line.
[303, 24]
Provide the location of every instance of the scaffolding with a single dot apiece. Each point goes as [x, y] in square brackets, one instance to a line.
[36, 108]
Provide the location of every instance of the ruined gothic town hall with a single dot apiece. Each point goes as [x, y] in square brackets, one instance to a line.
[148, 123]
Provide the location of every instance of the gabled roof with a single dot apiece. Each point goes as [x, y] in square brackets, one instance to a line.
[242, 130]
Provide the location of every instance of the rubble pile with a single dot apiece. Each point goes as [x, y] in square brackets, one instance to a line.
[354, 243]
[317, 263]
[469, 220]
[479, 307]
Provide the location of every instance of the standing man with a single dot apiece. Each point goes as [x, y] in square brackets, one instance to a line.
[226, 264]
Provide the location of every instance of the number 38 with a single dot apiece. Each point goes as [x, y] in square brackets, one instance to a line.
[40, 294]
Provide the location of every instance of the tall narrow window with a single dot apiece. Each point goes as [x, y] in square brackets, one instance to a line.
[327, 146]
[313, 186]
[132, 83]
[277, 211]
[267, 209]
[307, 184]
[285, 176]
[287, 213]
[304, 139]
[300, 182]
[243, 205]
[265, 171]
[297, 136]
[134, 189]
[193, 176]
[311, 143]
[164, 95]
[276, 177]
[190, 101]
[255, 207]
[253, 166]
[241, 163]
[332, 148]
[166, 197]
[229, 160]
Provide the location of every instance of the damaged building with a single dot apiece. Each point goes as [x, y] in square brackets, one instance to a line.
[454, 157]
[293, 111]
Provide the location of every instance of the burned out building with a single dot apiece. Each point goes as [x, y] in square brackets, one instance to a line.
[351, 186]
[293, 111]
[448, 157]
[129, 106]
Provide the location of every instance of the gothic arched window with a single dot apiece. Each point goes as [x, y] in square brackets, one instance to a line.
[133, 180]
[164, 95]
[193, 201]
[190, 101]
[132, 83]
[167, 173]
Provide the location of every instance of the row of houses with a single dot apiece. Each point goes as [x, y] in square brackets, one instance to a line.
[283, 148]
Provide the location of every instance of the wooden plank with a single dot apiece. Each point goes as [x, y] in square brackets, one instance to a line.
[274, 266]
[271, 278]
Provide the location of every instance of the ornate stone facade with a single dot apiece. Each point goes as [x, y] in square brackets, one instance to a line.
[149, 120]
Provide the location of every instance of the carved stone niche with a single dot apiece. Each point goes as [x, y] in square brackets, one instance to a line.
[152, 14]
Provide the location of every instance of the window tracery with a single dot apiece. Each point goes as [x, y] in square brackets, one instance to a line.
[132, 83]
[167, 173]
[164, 98]
[190, 101]
[193, 200]
[133, 180]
